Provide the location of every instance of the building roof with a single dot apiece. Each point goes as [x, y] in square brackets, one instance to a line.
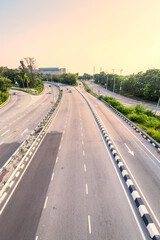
[48, 69]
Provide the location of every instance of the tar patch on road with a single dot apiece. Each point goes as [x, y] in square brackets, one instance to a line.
[20, 218]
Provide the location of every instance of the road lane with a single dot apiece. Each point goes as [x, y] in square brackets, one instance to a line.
[86, 199]
[129, 102]
[24, 111]
[144, 165]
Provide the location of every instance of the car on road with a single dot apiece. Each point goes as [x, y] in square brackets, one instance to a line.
[14, 93]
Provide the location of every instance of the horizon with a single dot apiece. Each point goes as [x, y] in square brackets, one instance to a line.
[80, 35]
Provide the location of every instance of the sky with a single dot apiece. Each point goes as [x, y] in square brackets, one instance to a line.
[81, 34]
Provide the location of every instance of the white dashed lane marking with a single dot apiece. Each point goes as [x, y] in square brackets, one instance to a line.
[86, 189]
[85, 167]
[5, 132]
[89, 224]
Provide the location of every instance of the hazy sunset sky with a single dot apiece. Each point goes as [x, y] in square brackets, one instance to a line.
[80, 34]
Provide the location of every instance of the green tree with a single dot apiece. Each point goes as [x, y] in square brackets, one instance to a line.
[5, 84]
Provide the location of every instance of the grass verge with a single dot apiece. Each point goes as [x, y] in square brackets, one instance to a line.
[145, 119]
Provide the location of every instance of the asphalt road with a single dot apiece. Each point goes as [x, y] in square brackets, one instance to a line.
[20, 116]
[129, 102]
[139, 156]
[71, 189]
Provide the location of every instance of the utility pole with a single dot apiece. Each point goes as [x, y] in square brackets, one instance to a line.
[114, 80]
[93, 72]
[107, 83]
[157, 106]
[121, 70]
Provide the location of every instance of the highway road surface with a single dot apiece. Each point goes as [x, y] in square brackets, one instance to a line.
[140, 157]
[20, 116]
[129, 102]
[72, 189]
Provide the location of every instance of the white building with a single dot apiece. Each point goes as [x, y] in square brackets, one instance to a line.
[52, 70]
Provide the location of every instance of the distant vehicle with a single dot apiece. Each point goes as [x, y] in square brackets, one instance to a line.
[79, 83]
[69, 91]
[14, 93]
[49, 85]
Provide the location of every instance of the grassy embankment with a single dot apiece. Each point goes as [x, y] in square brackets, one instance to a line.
[3, 97]
[145, 119]
[36, 90]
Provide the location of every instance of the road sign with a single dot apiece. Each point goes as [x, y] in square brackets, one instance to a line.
[51, 102]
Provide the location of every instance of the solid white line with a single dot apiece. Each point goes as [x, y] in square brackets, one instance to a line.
[86, 189]
[136, 219]
[36, 238]
[56, 159]
[45, 204]
[89, 224]
[138, 187]
[139, 141]
[85, 167]
[60, 147]
[6, 202]
[24, 131]
[83, 153]
[5, 132]
[52, 176]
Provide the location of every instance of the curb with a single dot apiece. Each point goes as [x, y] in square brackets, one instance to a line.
[152, 230]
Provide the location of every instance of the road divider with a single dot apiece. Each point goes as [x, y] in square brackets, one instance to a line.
[150, 225]
[13, 167]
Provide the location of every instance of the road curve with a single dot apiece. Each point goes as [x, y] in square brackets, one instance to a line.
[19, 117]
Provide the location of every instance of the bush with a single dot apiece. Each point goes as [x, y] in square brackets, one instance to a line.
[154, 134]
[140, 108]
[149, 113]
[138, 118]
[3, 97]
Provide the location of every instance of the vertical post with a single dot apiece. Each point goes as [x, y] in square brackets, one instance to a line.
[121, 80]
[106, 84]
[157, 106]
[93, 72]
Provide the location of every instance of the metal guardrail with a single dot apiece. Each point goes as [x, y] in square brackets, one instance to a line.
[14, 164]
[144, 134]
[138, 129]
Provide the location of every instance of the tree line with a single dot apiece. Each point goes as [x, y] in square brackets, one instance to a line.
[67, 78]
[142, 85]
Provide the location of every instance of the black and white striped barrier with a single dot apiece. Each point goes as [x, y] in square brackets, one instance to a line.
[153, 232]
[47, 121]
[135, 127]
